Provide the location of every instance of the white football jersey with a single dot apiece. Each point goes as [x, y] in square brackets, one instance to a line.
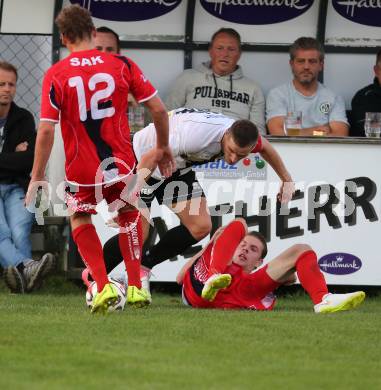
[194, 137]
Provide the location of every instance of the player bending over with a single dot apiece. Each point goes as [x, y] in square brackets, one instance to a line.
[195, 137]
[221, 275]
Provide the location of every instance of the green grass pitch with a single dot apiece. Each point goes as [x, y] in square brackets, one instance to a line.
[49, 340]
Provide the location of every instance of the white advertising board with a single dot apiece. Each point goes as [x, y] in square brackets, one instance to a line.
[342, 228]
[27, 17]
[139, 20]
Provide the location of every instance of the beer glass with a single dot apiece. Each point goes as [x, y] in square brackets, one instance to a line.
[372, 125]
[293, 123]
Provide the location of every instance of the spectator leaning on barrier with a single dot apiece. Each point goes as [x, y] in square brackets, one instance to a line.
[17, 139]
[323, 112]
[367, 99]
[219, 85]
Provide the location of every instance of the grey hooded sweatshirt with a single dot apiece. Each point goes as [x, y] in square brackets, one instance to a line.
[233, 95]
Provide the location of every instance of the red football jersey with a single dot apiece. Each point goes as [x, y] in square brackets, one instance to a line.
[87, 92]
[241, 294]
[258, 146]
[246, 291]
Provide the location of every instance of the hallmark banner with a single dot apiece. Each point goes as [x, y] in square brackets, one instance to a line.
[366, 12]
[127, 11]
[256, 11]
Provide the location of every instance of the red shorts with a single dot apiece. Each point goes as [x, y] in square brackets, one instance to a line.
[85, 198]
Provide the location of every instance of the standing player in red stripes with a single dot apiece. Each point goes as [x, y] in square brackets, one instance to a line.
[88, 92]
[221, 275]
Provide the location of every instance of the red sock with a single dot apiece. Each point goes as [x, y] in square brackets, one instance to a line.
[225, 246]
[311, 277]
[90, 248]
[131, 244]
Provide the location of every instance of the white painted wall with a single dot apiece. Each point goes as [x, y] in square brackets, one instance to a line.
[159, 66]
[27, 16]
[347, 73]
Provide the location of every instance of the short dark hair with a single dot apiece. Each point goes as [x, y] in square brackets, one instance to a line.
[262, 239]
[106, 30]
[75, 23]
[229, 31]
[244, 133]
[8, 67]
[306, 43]
[378, 57]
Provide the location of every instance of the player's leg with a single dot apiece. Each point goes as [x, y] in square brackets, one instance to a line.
[90, 248]
[131, 244]
[192, 229]
[82, 203]
[193, 277]
[200, 285]
[145, 272]
[189, 204]
[113, 259]
[224, 246]
[175, 241]
[302, 259]
[111, 249]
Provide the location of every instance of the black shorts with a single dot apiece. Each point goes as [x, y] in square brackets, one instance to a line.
[177, 188]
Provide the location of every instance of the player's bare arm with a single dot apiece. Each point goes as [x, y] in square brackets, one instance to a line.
[287, 188]
[338, 129]
[276, 125]
[44, 144]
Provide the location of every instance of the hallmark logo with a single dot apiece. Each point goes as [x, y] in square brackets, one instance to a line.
[128, 10]
[340, 263]
[366, 12]
[256, 11]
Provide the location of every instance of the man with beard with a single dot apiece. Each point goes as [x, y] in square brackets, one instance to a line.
[323, 112]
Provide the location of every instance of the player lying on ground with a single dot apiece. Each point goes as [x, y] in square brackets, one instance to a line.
[224, 275]
[195, 137]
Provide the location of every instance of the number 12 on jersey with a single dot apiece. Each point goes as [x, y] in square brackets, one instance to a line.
[95, 111]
